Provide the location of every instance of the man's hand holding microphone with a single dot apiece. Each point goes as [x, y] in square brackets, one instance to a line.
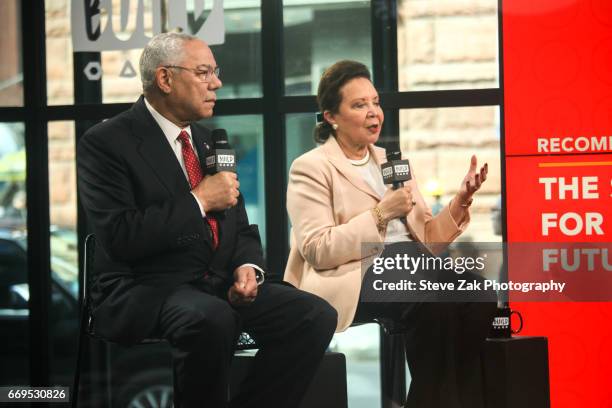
[218, 190]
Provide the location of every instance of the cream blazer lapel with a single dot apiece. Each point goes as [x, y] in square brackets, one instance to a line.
[336, 157]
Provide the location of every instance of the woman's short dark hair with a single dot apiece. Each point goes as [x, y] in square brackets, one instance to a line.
[328, 94]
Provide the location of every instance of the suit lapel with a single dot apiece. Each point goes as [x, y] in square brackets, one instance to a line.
[156, 151]
[202, 142]
[340, 162]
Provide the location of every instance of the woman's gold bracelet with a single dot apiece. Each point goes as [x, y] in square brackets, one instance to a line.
[380, 220]
[467, 205]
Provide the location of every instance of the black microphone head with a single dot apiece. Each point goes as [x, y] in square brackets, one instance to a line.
[395, 155]
[222, 157]
[219, 137]
[395, 171]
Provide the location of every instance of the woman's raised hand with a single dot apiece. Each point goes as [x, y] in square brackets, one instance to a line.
[472, 181]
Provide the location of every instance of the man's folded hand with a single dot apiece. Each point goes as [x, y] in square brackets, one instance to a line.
[244, 289]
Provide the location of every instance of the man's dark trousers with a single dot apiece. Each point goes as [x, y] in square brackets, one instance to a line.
[292, 330]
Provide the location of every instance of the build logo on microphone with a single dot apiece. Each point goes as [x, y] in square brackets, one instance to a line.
[501, 322]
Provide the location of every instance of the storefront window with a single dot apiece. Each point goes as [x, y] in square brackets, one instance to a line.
[447, 44]
[439, 143]
[11, 70]
[319, 33]
[63, 319]
[300, 127]
[14, 293]
[116, 71]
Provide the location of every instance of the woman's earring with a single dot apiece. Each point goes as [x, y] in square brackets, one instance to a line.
[335, 126]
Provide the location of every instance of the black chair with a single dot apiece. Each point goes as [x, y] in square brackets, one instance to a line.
[392, 363]
[86, 329]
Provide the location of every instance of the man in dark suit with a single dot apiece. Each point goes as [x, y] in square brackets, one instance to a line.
[175, 254]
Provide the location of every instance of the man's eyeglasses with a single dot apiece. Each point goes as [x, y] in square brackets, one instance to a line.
[203, 73]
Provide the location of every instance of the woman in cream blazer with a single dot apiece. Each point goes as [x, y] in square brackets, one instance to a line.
[330, 206]
[335, 204]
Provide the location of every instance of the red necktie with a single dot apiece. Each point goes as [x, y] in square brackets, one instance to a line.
[194, 172]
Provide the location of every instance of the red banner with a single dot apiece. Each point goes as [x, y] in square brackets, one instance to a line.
[559, 198]
[557, 66]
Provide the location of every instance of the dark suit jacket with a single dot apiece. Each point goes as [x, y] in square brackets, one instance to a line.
[150, 233]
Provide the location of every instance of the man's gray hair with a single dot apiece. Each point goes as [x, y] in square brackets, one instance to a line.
[163, 49]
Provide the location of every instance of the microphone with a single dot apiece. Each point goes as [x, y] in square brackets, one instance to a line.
[395, 171]
[221, 157]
